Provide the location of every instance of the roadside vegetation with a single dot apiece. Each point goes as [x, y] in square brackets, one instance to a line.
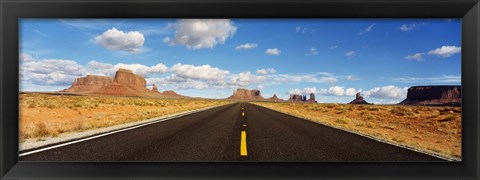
[44, 115]
[435, 130]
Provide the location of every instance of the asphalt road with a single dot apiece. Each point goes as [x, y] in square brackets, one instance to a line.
[224, 134]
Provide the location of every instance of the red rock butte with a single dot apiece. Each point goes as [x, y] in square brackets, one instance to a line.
[125, 83]
[245, 94]
[434, 96]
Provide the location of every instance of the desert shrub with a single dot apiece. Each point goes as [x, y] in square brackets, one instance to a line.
[343, 120]
[371, 125]
[41, 130]
[401, 112]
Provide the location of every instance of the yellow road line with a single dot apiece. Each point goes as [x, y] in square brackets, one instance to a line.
[243, 113]
[244, 125]
[243, 144]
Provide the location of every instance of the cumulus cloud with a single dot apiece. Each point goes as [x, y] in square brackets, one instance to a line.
[201, 33]
[339, 91]
[273, 51]
[246, 78]
[266, 71]
[114, 39]
[142, 69]
[416, 57]
[246, 46]
[203, 72]
[387, 92]
[50, 71]
[408, 27]
[304, 91]
[350, 54]
[445, 51]
[23, 57]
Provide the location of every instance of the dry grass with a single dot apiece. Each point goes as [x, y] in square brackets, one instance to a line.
[433, 129]
[43, 115]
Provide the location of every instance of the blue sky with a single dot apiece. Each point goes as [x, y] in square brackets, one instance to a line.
[333, 58]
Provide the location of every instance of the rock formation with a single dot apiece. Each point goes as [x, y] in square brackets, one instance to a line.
[125, 83]
[155, 89]
[295, 97]
[359, 100]
[274, 98]
[245, 94]
[90, 83]
[312, 98]
[434, 96]
[170, 93]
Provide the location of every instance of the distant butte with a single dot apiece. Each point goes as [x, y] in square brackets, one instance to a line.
[359, 100]
[125, 83]
[245, 94]
[434, 96]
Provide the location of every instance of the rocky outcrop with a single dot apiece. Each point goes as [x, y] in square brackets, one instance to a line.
[434, 96]
[312, 98]
[245, 94]
[125, 83]
[295, 98]
[155, 89]
[274, 98]
[90, 83]
[170, 93]
[302, 98]
[359, 100]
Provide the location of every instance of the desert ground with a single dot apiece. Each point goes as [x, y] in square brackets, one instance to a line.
[47, 115]
[437, 130]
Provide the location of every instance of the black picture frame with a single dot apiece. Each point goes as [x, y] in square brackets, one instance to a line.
[11, 11]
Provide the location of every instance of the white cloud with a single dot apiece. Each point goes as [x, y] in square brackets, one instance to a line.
[50, 72]
[416, 57]
[114, 39]
[408, 27]
[25, 57]
[350, 92]
[273, 51]
[387, 92]
[313, 51]
[246, 78]
[439, 79]
[445, 51]
[142, 69]
[333, 91]
[246, 46]
[367, 29]
[266, 71]
[203, 72]
[350, 54]
[304, 91]
[201, 33]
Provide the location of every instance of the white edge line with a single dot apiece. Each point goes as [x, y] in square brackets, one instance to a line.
[371, 137]
[112, 132]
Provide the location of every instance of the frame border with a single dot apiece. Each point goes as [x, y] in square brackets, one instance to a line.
[11, 11]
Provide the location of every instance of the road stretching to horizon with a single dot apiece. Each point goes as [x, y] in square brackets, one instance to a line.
[234, 132]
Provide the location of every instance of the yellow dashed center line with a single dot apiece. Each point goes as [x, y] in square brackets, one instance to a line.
[243, 113]
[243, 144]
[244, 125]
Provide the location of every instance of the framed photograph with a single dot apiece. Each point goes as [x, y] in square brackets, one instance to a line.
[239, 89]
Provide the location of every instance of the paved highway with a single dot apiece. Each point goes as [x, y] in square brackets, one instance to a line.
[234, 132]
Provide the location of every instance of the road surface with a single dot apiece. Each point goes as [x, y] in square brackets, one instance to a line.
[234, 132]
